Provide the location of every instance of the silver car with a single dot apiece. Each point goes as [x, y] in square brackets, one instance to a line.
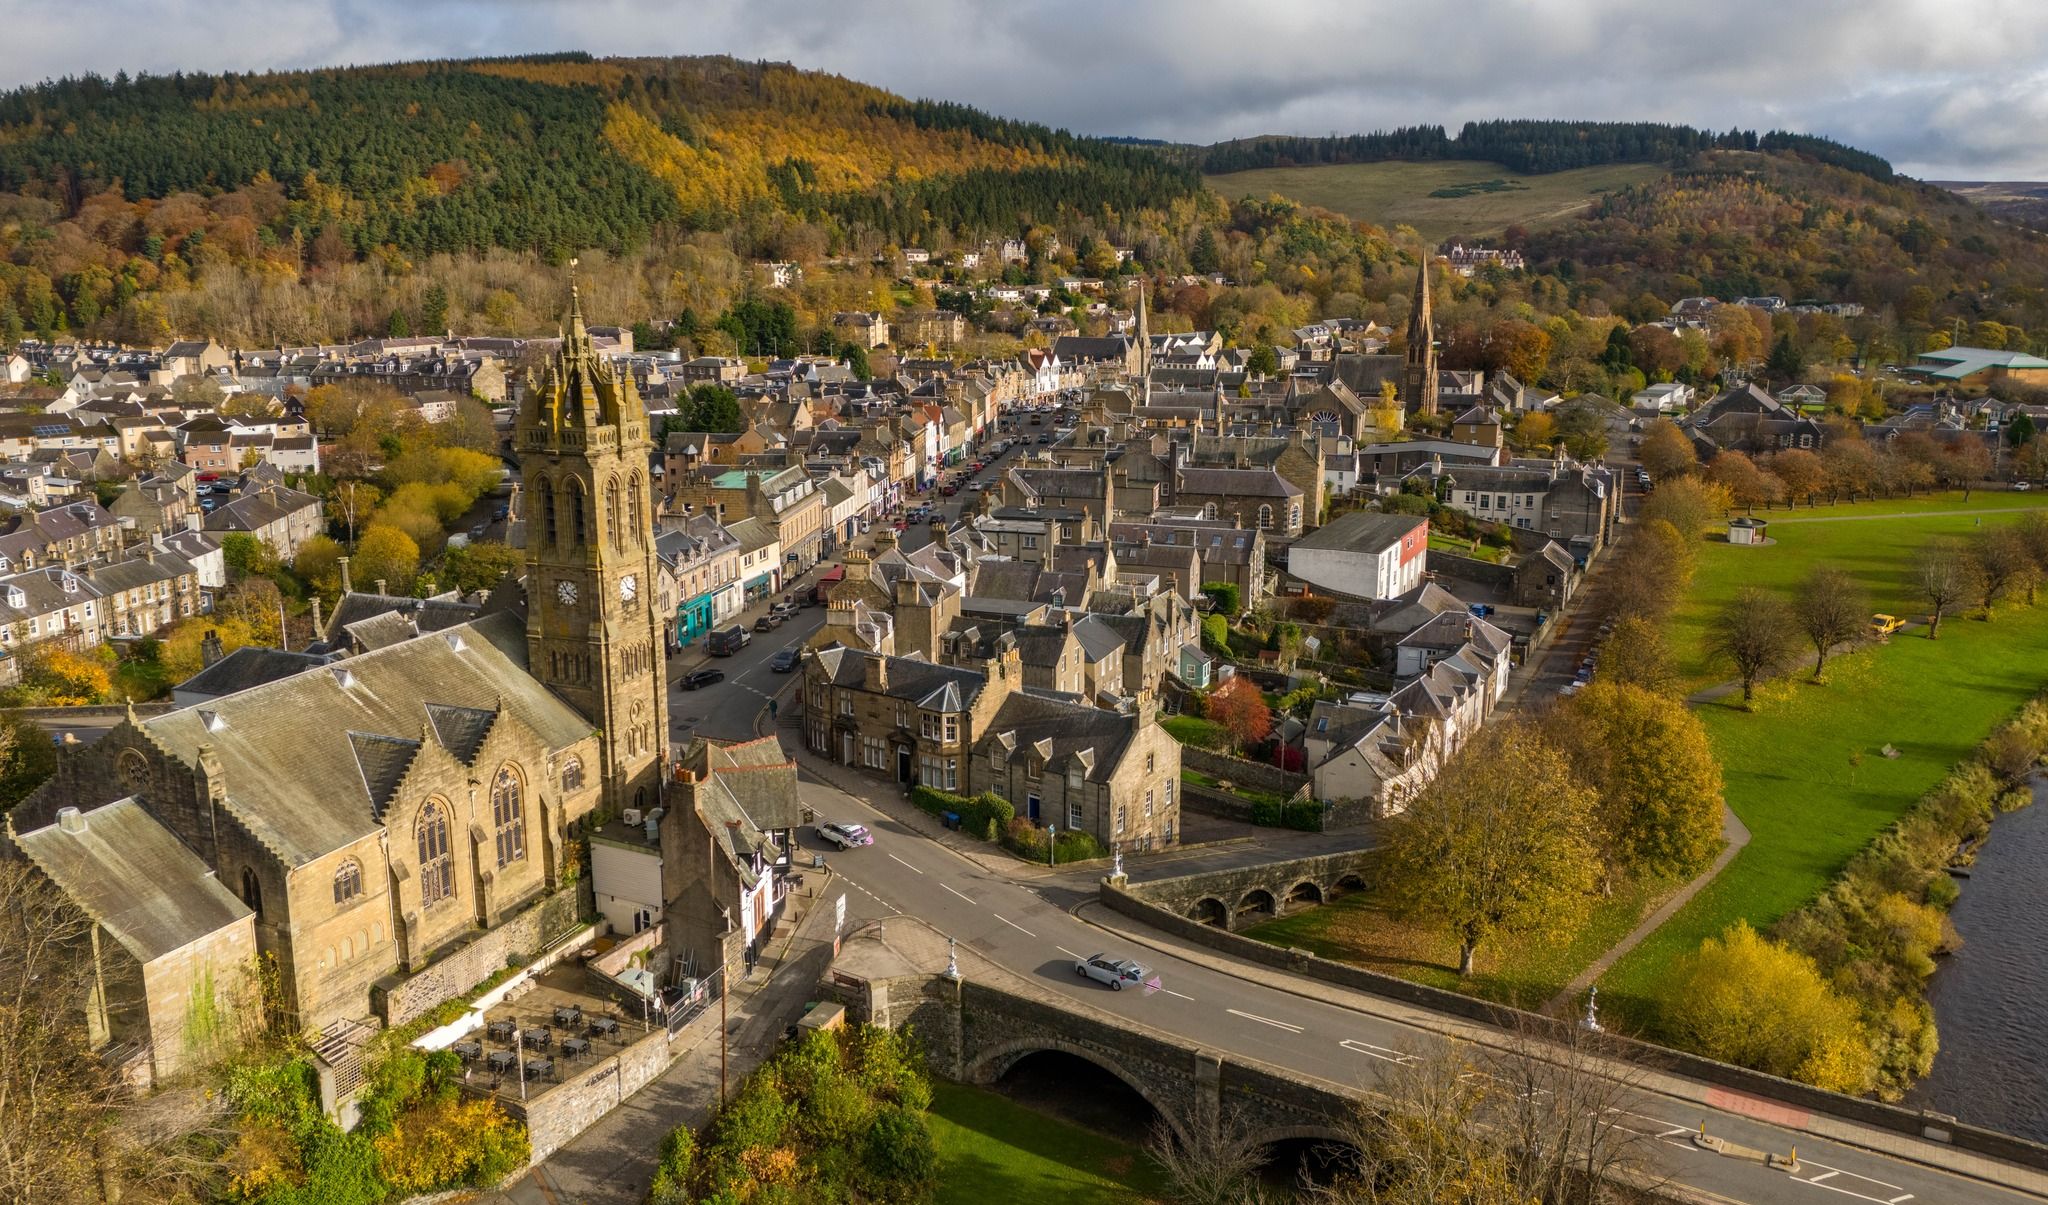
[846, 836]
[1116, 972]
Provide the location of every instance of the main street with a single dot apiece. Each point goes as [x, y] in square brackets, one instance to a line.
[1029, 926]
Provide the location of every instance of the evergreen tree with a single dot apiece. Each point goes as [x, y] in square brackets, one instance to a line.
[434, 309]
[398, 327]
[1202, 257]
[1787, 362]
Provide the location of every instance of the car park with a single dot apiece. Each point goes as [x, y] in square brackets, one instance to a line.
[783, 661]
[846, 836]
[1117, 973]
[697, 679]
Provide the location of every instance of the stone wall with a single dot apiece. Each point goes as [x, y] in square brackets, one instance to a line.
[1230, 898]
[1241, 772]
[1209, 802]
[556, 1116]
[1471, 569]
[1767, 1088]
[456, 971]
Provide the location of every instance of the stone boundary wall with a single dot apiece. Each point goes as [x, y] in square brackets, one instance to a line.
[557, 1116]
[1207, 801]
[1932, 1126]
[1472, 569]
[94, 711]
[1238, 770]
[455, 972]
[1178, 896]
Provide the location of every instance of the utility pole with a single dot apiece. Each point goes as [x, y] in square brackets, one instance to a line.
[724, 980]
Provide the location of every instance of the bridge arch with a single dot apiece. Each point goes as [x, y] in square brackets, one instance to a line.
[1348, 883]
[995, 1062]
[1305, 894]
[1210, 911]
[1257, 901]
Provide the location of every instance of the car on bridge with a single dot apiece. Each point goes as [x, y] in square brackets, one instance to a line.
[1116, 972]
[697, 679]
[846, 836]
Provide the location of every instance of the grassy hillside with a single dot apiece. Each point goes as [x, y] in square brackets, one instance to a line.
[1389, 194]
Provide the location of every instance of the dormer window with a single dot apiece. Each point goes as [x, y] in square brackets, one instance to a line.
[17, 597]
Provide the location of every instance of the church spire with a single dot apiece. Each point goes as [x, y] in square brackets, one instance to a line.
[1421, 375]
[1144, 349]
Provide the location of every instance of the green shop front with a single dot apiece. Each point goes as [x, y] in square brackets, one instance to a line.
[693, 619]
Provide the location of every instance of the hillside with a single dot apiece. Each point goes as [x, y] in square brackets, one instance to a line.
[2024, 202]
[1440, 199]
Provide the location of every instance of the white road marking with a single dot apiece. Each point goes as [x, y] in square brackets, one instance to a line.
[1068, 953]
[1014, 925]
[1845, 1191]
[1681, 1130]
[1823, 1176]
[1264, 1020]
[1859, 1176]
[1169, 991]
[901, 862]
[1385, 1054]
[963, 895]
[1900, 1200]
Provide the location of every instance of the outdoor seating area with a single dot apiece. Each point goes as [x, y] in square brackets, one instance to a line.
[544, 1035]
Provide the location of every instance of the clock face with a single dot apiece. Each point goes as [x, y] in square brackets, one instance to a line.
[628, 587]
[566, 591]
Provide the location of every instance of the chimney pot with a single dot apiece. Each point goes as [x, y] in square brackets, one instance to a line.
[71, 820]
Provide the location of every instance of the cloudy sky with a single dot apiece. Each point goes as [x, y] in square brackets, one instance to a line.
[1944, 88]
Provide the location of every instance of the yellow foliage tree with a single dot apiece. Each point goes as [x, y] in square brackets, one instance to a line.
[180, 654]
[388, 554]
[441, 1143]
[1746, 999]
[60, 677]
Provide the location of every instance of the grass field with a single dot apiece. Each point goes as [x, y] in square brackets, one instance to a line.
[1388, 194]
[1873, 541]
[1806, 770]
[1358, 929]
[993, 1151]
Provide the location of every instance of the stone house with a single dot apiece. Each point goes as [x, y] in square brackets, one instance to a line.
[901, 718]
[282, 518]
[1081, 768]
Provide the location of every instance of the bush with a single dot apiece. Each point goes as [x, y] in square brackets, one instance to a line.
[1216, 634]
[1745, 999]
[1267, 812]
[1228, 597]
[984, 814]
[1303, 814]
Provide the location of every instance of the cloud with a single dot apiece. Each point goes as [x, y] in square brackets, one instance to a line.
[1944, 87]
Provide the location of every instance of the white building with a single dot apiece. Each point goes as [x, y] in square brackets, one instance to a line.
[1363, 554]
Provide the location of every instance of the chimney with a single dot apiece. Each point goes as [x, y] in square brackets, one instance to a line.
[380, 584]
[149, 552]
[210, 651]
[875, 674]
[318, 627]
[346, 588]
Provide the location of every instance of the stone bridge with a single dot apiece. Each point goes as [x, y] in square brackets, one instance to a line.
[1233, 899]
[975, 1032]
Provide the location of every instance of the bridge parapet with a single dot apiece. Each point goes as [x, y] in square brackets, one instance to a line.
[1232, 899]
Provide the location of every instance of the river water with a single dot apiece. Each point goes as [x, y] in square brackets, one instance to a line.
[1991, 996]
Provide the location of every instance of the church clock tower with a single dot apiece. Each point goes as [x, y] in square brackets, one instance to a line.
[591, 631]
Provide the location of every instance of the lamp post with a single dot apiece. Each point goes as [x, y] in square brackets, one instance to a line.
[1052, 845]
[519, 1055]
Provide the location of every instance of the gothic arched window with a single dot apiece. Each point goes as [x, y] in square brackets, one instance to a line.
[437, 865]
[508, 813]
[572, 774]
[638, 513]
[611, 514]
[544, 510]
[252, 890]
[574, 528]
[348, 881]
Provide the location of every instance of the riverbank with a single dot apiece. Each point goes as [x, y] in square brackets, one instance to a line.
[1990, 997]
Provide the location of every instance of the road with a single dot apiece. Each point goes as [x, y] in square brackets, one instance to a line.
[725, 710]
[918, 535]
[1029, 930]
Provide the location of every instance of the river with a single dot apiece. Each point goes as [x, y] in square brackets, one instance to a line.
[1991, 996]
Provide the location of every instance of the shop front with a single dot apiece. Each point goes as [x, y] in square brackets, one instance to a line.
[760, 587]
[693, 619]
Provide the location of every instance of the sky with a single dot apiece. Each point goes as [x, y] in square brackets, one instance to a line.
[1946, 89]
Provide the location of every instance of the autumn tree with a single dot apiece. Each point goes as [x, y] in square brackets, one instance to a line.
[1536, 432]
[1851, 466]
[1635, 654]
[1962, 464]
[1658, 785]
[1754, 632]
[1946, 575]
[350, 505]
[1666, 452]
[1689, 504]
[2002, 562]
[1830, 608]
[1499, 843]
[1748, 486]
[479, 566]
[1241, 709]
[55, 676]
[1653, 568]
[1801, 474]
[1746, 999]
[386, 554]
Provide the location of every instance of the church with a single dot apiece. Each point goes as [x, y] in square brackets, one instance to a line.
[389, 828]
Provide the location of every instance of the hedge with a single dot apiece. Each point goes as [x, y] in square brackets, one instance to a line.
[1303, 814]
[976, 813]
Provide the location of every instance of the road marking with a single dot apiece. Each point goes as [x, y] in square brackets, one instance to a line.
[1859, 1176]
[1682, 1130]
[1823, 1176]
[1014, 925]
[901, 862]
[1385, 1054]
[1169, 991]
[1901, 1200]
[1068, 953]
[1264, 1020]
[963, 895]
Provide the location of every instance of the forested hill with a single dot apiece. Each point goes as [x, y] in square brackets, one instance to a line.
[1528, 147]
[547, 154]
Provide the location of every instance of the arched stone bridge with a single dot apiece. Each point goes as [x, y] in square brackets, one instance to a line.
[1233, 899]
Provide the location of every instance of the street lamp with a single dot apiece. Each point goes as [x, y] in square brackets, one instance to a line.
[1052, 844]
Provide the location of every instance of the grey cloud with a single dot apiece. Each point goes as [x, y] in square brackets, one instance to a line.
[1944, 87]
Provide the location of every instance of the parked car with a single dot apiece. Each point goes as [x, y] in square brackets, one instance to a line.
[846, 836]
[768, 622]
[1116, 972]
[1045, 439]
[2023, 485]
[697, 679]
[783, 661]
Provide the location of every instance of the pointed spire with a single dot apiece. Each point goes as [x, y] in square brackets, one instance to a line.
[576, 329]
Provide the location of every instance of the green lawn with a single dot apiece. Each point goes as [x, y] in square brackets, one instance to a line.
[1194, 730]
[1480, 551]
[993, 1151]
[1806, 771]
[1877, 550]
[1358, 929]
[1387, 194]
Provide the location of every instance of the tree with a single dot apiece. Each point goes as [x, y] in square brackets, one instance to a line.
[1215, 1165]
[1658, 783]
[1745, 999]
[246, 555]
[1962, 464]
[1787, 361]
[1666, 451]
[387, 554]
[1748, 486]
[1499, 843]
[1242, 710]
[479, 566]
[54, 676]
[1654, 568]
[434, 309]
[856, 358]
[319, 562]
[2020, 431]
[1536, 431]
[714, 409]
[1635, 654]
[1801, 473]
[1945, 574]
[350, 506]
[1689, 504]
[2003, 563]
[1264, 361]
[1229, 599]
[1830, 608]
[27, 759]
[1754, 632]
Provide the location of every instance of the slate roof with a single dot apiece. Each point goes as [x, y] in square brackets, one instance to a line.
[247, 667]
[134, 878]
[1241, 483]
[1060, 733]
[909, 677]
[305, 758]
[1360, 531]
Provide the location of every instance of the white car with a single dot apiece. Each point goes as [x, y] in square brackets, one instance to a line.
[1116, 972]
[846, 836]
